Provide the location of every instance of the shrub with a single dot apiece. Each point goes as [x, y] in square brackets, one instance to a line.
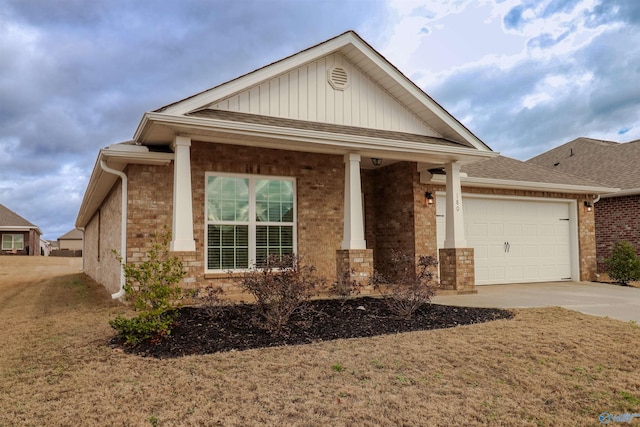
[210, 300]
[152, 287]
[280, 285]
[623, 265]
[345, 285]
[412, 285]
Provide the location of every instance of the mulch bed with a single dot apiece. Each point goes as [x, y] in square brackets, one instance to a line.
[238, 327]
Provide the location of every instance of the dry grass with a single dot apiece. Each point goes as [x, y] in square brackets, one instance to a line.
[546, 367]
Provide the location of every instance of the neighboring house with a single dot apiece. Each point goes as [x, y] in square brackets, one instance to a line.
[45, 247]
[18, 236]
[333, 154]
[613, 164]
[71, 240]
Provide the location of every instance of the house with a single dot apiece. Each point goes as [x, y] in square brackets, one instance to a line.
[617, 215]
[71, 240]
[333, 154]
[19, 236]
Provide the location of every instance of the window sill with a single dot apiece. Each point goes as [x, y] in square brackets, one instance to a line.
[224, 275]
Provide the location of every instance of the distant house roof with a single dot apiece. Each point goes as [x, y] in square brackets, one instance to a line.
[74, 234]
[610, 163]
[9, 220]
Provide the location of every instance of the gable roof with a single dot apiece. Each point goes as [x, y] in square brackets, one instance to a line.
[610, 163]
[349, 50]
[10, 220]
[74, 234]
[505, 172]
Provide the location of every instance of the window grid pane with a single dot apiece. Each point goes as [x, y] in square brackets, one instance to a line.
[228, 247]
[273, 240]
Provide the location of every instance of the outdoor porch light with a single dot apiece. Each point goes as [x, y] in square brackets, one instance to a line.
[376, 161]
[428, 198]
[588, 207]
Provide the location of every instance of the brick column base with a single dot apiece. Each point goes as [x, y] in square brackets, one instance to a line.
[457, 271]
[357, 262]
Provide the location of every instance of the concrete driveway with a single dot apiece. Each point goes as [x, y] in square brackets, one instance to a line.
[598, 299]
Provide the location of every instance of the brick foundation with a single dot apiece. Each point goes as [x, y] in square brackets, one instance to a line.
[358, 263]
[457, 270]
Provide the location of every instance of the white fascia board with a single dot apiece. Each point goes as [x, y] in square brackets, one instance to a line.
[420, 95]
[331, 142]
[526, 185]
[19, 228]
[255, 77]
[622, 193]
[100, 182]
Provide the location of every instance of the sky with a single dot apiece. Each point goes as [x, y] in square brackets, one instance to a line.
[77, 75]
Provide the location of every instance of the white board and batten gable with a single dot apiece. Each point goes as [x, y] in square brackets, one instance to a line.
[342, 81]
[329, 90]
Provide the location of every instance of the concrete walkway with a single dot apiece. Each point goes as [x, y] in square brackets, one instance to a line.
[598, 299]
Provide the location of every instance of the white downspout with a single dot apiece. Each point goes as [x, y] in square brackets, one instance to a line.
[123, 227]
[596, 199]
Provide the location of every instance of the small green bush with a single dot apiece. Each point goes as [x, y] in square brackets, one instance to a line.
[280, 285]
[152, 287]
[411, 287]
[623, 265]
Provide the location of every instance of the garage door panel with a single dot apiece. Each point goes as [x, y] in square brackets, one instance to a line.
[538, 234]
[496, 274]
[530, 251]
[478, 229]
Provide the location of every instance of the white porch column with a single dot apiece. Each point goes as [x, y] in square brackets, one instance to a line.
[353, 220]
[182, 233]
[454, 220]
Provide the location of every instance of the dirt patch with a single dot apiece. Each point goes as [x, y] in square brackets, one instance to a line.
[238, 327]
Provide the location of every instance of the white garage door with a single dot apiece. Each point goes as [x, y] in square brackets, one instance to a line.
[515, 241]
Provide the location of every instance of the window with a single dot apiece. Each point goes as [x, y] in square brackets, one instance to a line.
[248, 217]
[12, 241]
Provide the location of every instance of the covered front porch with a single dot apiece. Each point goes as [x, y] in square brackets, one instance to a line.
[388, 203]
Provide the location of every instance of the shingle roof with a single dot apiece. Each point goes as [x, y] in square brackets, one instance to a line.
[606, 162]
[506, 168]
[325, 127]
[9, 218]
[74, 234]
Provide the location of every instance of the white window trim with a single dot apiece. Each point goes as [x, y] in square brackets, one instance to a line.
[252, 217]
[13, 241]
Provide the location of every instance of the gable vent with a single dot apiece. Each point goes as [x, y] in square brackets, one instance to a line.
[338, 78]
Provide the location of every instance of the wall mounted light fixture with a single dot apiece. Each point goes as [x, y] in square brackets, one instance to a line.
[428, 198]
[588, 207]
[376, 161]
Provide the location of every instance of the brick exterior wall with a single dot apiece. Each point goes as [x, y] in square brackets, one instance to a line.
[319, 186]
[616, 218]
[358, 263]
[587, 242]
[396, 215]
[101, 237]
[457, 270]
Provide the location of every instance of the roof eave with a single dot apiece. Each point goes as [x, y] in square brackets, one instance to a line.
[287, 138]
[622, 193]
[101, 182]
[20, 228]
[526, 185]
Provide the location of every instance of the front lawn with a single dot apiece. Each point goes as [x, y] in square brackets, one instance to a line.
[543, 367]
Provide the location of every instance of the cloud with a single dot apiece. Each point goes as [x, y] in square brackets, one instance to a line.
[77, 76]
